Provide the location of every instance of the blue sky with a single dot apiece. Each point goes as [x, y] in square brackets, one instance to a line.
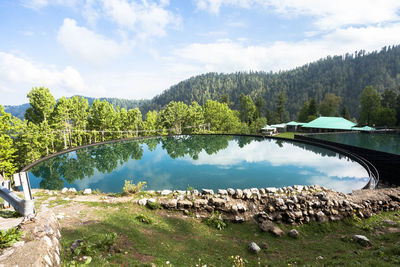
[135, 49]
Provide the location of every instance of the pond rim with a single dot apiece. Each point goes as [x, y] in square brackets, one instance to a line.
[368, 166]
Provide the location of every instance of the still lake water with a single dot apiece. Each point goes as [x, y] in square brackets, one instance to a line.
[382, 142]
[214, 162]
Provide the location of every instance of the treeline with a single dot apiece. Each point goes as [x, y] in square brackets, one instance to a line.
[344, 76]
[50, 126]
[19, 111]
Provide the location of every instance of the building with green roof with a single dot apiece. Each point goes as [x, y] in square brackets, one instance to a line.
[328, 124]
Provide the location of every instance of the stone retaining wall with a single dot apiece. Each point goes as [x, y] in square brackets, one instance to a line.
[294, 205]
[41, 245]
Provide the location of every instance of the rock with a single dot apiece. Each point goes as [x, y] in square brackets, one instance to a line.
[166, 192]
[73, 190]
[362, 240]
[87, 191]
[255, 191]
[241, 207]
[64, 190]
[271, 190]
[268, 226]
[238, 219]
[142, 201]
[207, 192]
[247, 193]
[222, 192]
[264, 245]
[279, 202]
[238, 194]
[151, 200]
[254, 248]
[230, 191]
[186, 204]
[319, 258]
[298, 187]
[218, 202]
[200, 203]
[293, 233]
[321, 217]
[262, 191]
[168, 203]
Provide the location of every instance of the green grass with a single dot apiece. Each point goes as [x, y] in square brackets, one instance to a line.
[289, 135]
[185, 241]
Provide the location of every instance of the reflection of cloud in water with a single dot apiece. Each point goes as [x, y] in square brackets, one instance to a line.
[288, 154]
[341, 185]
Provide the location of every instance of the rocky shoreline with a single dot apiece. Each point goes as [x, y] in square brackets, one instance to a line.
[293, 205]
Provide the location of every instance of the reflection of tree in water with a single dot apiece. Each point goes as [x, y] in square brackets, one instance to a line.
[83, 162]
[106, 158]
[177, 147]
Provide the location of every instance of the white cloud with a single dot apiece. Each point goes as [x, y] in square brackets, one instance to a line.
[147, 18]
[327, 14]
[229, 56]
[21, 74]
[90, 46]
[38, 4]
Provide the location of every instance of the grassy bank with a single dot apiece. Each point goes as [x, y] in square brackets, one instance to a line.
[167, 238]
[289, 135]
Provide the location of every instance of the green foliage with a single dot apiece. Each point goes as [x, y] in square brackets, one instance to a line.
[42, 104]
[97, 245]
[216, 221]
[154, 205]
[7, 150]
[221, 118]
[345, 113]
[369, 105]
[132, 188]
[9, 237]
[282, 114]
[330, 105]
[143, 218]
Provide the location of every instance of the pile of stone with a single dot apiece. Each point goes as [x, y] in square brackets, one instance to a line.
[293, 205]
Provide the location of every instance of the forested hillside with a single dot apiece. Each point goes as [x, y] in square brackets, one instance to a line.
[345, 76]
[19, 111]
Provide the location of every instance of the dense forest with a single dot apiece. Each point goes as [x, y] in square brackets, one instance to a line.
[345, 76]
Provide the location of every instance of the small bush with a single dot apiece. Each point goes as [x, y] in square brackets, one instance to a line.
[8, 238]
[95, 244]
[216, 221]
[131, 188]
[144, 218]
[153, 205]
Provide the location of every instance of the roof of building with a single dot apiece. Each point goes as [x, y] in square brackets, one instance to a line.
[337, 123]
[365, 128]
[268, 127]
[295, 123]
[282, 125]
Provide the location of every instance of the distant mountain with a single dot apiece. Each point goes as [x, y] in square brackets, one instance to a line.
[345, 76]
[19, 110]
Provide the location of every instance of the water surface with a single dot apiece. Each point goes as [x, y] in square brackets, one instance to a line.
[200, 162]
[376, 141]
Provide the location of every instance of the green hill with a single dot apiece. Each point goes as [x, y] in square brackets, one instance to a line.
[345, 76]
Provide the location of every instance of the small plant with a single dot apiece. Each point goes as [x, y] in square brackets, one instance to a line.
[190, 188]
[144, 218]
[93, 245]
[8, 238]
[154, 205]
[216, 221]
[131, 188]
[237, 261]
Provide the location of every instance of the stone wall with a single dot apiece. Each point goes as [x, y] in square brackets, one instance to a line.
[294, 205]
[41, 245]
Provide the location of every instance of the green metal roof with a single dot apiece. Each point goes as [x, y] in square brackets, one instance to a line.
[295, 123]
[337, 123]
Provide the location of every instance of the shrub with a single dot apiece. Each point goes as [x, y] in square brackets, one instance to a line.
[94, 244]
[144, 218]
[216, 221]
[131, 188]
[8, 238]
[153, 205]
